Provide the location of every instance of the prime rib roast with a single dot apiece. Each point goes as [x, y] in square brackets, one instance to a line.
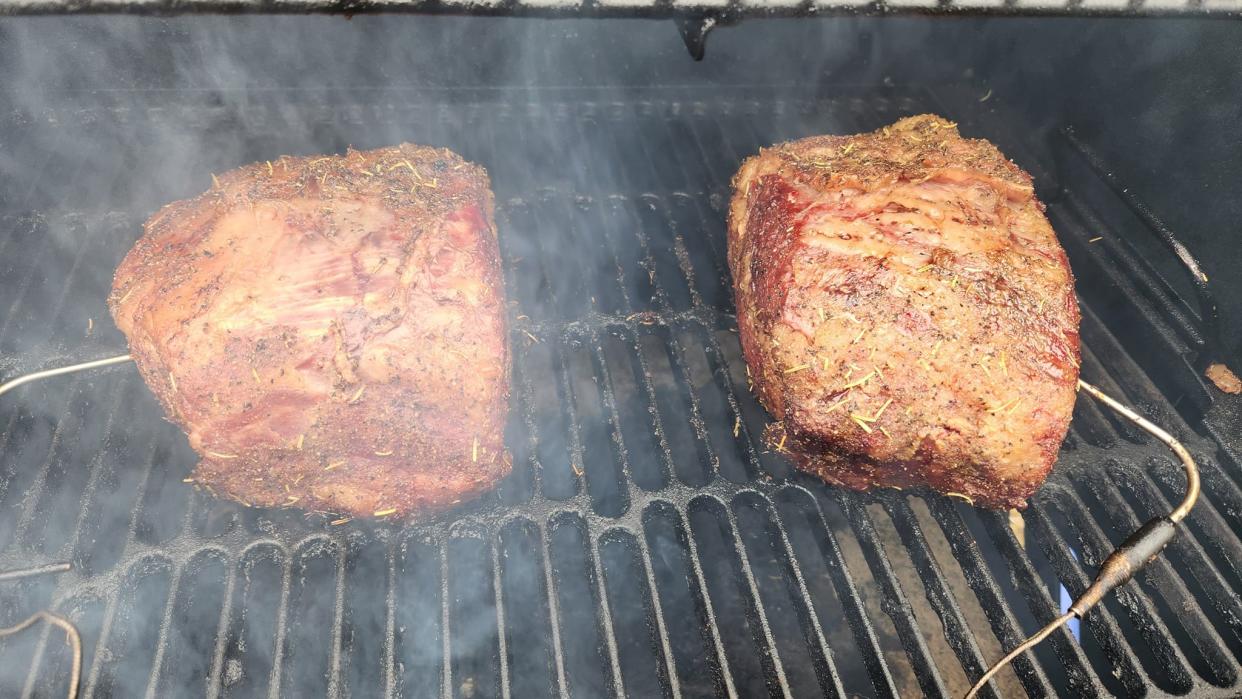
[330, 332]
[905, 311]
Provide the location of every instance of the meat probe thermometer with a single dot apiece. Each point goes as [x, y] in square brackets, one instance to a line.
[1131, 556]
[72, 638]
[1118, 568]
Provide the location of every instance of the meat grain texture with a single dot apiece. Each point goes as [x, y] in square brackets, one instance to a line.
[905, 311]
[330, 332]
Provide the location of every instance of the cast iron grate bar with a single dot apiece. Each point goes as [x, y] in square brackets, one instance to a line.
[940, 597]
[848, 590]
[1004, 623]
[1026, 579]
[1139, 611]
[825, 667]
[1104, 626]
[895, 601]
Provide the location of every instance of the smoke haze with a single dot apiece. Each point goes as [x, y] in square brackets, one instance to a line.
[610, 153]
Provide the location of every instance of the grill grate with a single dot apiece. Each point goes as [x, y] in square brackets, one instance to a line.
[646, 544]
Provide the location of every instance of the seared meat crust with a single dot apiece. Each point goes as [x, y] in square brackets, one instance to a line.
[329, 331]
[905, 311]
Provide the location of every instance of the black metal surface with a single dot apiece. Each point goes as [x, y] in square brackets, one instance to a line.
[718, 10]
[646, 544]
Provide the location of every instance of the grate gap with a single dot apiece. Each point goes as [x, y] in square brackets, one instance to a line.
[597, 437]
[894, 600]
[640, 427]
[519, 486]
[558, 466]
[715, 414]
[1111, 654]
[1206, 522]
[939, 577]
[729, 362]
[1191, 629]
[417, 643]
[991, 596]
[528, 633]
[697, 649]
[806, 666]
[639, 649]
[85, 431]
[191, 638]
[364, 620]
[745, 643]
[18, 652]
[33, 440]
[677, 413]
[50, 675]
[637, 275]
[1065, 667]
[855, 649]
[587, 665]
[474, 641]
[673, 288]
[129, 647]
[250, 651]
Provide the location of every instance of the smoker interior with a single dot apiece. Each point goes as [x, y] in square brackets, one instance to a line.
[648, 543]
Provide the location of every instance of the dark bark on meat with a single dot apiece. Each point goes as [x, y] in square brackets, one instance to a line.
[905, 310]
[329, 332]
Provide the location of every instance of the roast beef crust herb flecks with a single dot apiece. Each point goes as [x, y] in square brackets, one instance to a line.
[905, 310]
[329, 331]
